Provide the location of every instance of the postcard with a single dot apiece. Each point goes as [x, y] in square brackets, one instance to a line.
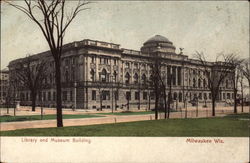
[124, 81]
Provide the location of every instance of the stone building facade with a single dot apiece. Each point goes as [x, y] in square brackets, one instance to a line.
[96, 73]
[4, 85]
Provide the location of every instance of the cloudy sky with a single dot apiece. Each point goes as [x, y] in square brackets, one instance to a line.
[211, 27]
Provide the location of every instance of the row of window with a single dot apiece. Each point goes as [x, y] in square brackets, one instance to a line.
[103, 60]
[104, 77]
[105, 94]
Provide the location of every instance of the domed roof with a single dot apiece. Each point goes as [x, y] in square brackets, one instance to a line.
[157, 38]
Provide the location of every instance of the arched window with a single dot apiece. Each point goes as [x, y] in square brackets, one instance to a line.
[92, 75]
[51, 78]
[73, 74]
[175, 96]
[180, 97]
[136, 79]
[226, 83]
[127, 78]
[194, 82]
[66, 77]
[143, 78]
[104, 76]
[115, 76]
[204, 83]
[151, 80]
[199, 83]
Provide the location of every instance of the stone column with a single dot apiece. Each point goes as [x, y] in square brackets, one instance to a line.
[97, 68]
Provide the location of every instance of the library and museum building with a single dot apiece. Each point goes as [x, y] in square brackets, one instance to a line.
[96, 73]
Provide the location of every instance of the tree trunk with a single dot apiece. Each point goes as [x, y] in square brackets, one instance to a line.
[156, 106]
[128, 104]
[116, 96]
[242, 99]
[101, 104]
[235, 101]
[33, 99]
[100, 93]
[139, 103]
[58, 93]
[213, 107]
[149, 102]
[165, 105]
[185, 108]
[169, 102]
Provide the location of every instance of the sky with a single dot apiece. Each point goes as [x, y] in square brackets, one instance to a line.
[210, 27]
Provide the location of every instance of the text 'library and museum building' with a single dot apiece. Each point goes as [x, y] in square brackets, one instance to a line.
[100, 74]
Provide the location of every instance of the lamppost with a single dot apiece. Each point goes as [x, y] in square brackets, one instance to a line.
[112, 105]
[42, 107]
[75, 85]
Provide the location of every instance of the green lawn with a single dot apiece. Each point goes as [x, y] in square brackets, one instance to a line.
[230, 126]
[45, 117]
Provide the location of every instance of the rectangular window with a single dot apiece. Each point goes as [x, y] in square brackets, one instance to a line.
[174, 75]
[71, 95]
[64, 95]
[137, 95]
[128, 95]
[105, 95]
[40, 96]
[27, 96]
[66, 62]
[54, 96]
[44, 96]
[168, 75]
[145, 95]
[205, 96]
[179, 75]
[116, 95]
[127, 65]
[49, 96]
[210, 96]
[106, 61]
[152, 95]
[136, 65]
[200, 96]
[93, 95]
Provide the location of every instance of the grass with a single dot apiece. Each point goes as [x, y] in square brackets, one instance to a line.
[45, 117]
[229, 126]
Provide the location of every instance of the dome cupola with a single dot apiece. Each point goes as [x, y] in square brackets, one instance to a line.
[158, 42]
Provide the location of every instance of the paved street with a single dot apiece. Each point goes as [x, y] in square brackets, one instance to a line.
[202, 112]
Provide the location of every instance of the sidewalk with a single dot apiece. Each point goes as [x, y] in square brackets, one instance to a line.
[110, 119]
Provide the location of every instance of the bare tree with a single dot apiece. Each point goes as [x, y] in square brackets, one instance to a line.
[116, 93]
[159, 86]
[53, 20]
[31, 73]
[127, 95]
[8, 98]
[242, 91]
[101, 86]
[235, 77]
[215, 73]
[13, 88]
[156, 82]
[246, 70]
